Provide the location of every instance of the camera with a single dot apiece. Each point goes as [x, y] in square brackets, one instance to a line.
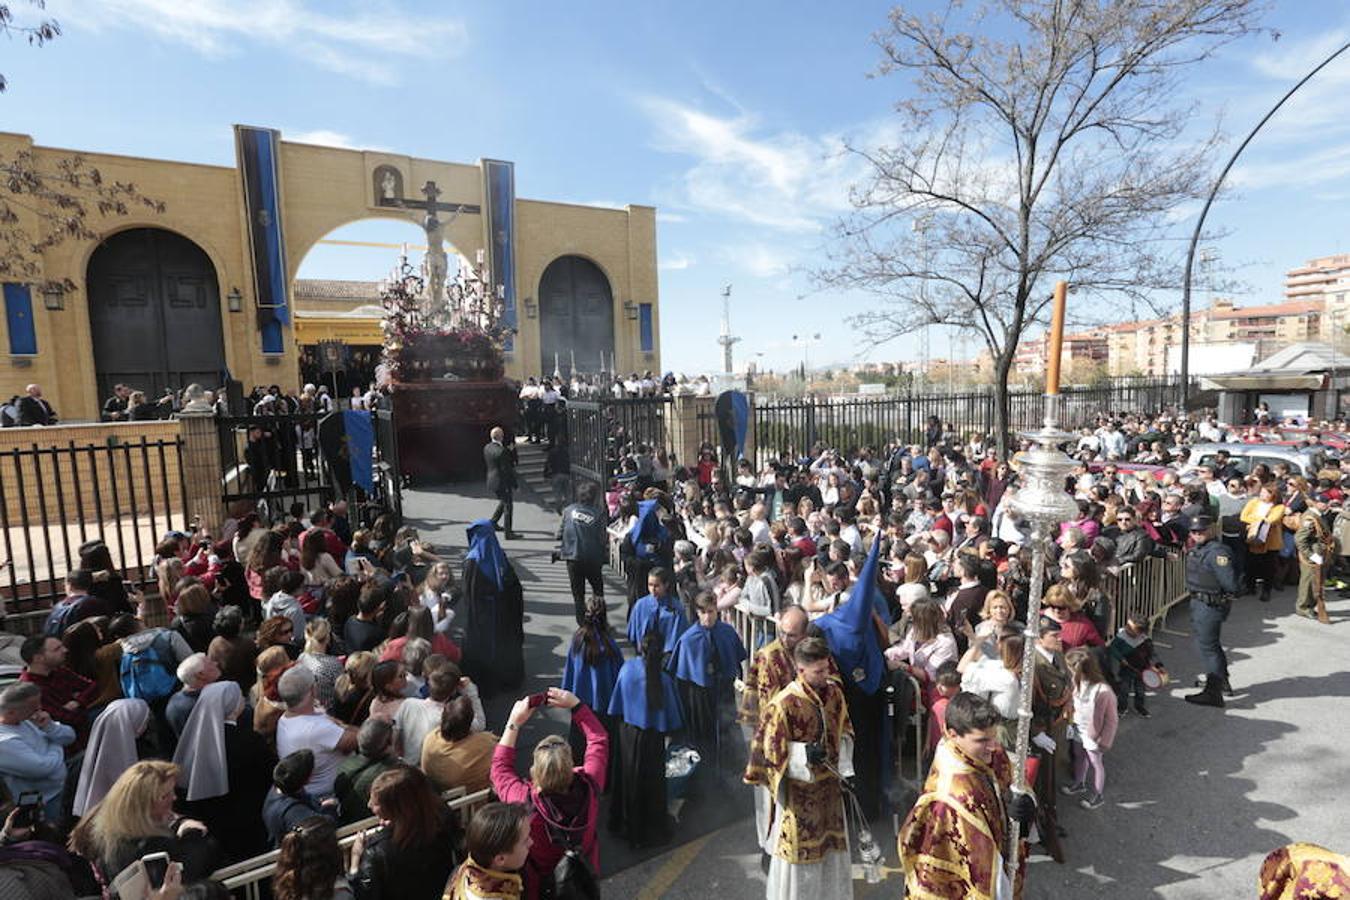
[815, 754]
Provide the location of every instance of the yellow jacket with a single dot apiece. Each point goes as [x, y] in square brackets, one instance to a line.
[1275, 516]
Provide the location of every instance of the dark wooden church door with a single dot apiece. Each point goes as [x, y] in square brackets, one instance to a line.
[154, 313]
[576, 316]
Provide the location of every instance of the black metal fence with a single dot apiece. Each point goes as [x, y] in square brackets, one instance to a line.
[274, 462]
[53, 499]
[797, 425]
[599, 430]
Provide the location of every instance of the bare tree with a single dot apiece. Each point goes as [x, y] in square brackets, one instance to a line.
[42, 206]
[1043, 139]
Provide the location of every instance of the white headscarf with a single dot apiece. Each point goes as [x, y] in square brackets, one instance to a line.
[200, 756]
[111, 750]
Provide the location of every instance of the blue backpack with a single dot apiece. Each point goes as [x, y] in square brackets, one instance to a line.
[148, 674]
[58, 620]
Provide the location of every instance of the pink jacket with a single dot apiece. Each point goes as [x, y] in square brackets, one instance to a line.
[511, 788]
[1105, 719]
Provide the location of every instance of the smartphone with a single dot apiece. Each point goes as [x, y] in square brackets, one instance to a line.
[29, 812]
[537, 699]
[156, 867]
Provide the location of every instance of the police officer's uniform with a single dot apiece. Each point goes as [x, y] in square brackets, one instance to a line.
[1212, 582]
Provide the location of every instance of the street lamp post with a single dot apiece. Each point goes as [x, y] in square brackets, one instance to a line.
[1200, 223]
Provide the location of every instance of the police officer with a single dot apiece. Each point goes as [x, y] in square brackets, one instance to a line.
[584, 544]
[1212, 582]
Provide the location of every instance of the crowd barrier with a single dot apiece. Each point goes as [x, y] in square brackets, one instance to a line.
[246, 879]
[1147, 589]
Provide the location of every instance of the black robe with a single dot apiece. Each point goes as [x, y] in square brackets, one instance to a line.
[494, 630]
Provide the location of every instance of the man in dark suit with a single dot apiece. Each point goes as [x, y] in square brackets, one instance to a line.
[501, 479]
[33, 410]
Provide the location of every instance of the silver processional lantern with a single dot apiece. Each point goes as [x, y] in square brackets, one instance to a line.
[1042, 500]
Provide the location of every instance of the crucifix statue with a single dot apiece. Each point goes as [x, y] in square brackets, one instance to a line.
[437, 266]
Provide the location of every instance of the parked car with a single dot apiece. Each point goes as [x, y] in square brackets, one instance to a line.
[1302, 460]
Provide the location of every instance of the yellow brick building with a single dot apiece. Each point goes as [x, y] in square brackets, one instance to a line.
[208, 284]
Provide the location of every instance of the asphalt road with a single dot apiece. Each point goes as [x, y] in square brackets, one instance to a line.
[1196, 797]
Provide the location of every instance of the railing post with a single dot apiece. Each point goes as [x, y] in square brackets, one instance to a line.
[201, 469]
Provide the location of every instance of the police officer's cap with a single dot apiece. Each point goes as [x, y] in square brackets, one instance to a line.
[1048, 625]
[1202, 523]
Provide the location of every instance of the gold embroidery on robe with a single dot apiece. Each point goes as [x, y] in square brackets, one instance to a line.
[472, 880]
[771, 670]
[812, 812]
[1304, 872]
[951, 840]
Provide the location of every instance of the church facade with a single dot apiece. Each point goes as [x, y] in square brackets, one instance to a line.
[208, 286]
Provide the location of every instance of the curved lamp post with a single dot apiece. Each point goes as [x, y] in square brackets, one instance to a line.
[1200, 223]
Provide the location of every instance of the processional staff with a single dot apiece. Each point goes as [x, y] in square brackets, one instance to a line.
[1042, 500]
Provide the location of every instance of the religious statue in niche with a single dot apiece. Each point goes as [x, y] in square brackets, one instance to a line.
[388, 185]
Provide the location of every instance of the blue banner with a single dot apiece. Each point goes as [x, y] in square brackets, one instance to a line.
[361, 447]
[499, 194]
[259, 153]
[19, 319]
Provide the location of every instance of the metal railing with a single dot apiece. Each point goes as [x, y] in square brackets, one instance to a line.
[245, 879]
[275, 461]
[1147, 589]
[598, 430]
[847, 423]
[53, 499]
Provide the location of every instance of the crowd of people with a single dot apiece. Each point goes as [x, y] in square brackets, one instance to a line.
[309, 675]
[944, 599]
[312, 674]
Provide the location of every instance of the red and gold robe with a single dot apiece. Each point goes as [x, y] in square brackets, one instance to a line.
[953, 839]
[1304, 872]
[771, 670]
[474, 882]
[812, 812]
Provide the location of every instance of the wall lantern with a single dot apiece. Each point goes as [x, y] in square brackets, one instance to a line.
[53, 297]
[630, 310]
[531, 308]
[235, 300]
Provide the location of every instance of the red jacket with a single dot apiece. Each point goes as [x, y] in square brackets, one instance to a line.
[59, 688]
[511, 788]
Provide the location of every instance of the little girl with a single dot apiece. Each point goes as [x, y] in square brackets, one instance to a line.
[1094, 726]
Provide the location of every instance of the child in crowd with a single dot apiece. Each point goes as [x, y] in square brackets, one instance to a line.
[1094, 726]
[1131, 652]
[946, 686]
[499, 843]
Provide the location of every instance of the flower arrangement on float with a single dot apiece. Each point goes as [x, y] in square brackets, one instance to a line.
[433, 341]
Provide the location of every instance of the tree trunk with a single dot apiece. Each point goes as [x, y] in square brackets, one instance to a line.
[1001, 371]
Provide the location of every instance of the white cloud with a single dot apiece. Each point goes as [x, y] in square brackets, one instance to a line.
[676, 262]
[1307, 170]
[326, 138]
[788, 181]
[670, 217]
[761, 260]
[365, 40]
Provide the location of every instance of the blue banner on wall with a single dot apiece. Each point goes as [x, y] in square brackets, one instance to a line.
[19, 320]
[499, 192]
[259, 155]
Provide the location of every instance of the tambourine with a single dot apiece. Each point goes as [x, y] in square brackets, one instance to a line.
[1154, 678]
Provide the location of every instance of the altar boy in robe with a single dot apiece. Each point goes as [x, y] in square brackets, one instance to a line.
[803, 747]
[952, 843]
[645, 700]
[706, 661]
[659, 610]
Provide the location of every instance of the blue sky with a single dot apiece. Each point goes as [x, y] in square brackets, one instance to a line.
[726, 116]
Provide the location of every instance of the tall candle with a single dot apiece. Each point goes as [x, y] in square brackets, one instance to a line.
[1056, 338]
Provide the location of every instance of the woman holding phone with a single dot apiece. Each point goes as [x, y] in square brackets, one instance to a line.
[136, 818]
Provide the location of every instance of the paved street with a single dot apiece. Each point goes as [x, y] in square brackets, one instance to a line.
[1196, 797]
